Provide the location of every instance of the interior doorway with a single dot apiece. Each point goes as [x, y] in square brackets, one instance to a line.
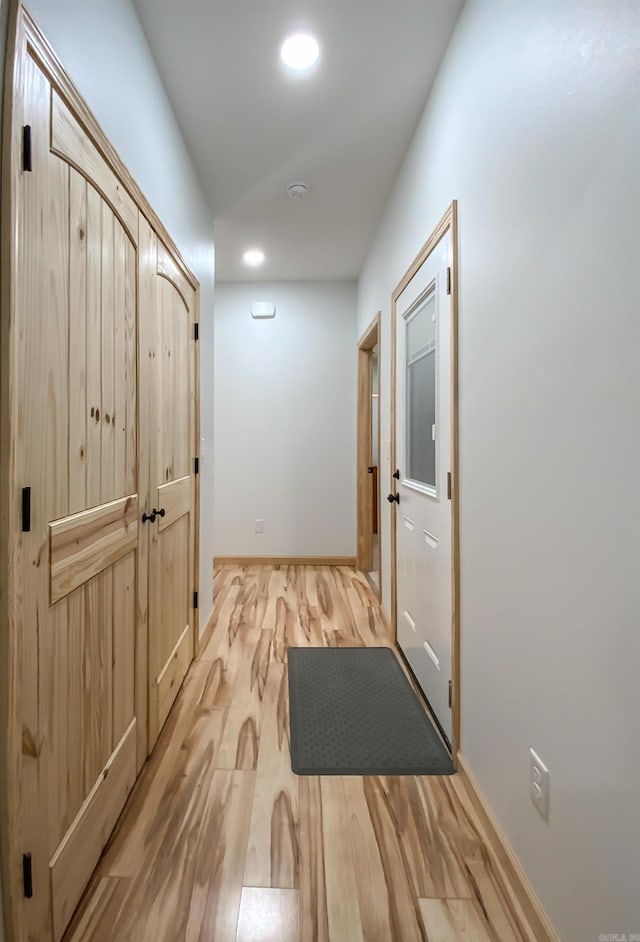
[368, 461]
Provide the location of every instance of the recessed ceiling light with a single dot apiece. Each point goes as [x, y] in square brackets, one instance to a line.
[300, 51]
[253, 257]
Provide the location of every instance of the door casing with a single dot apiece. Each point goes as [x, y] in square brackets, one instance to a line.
[366, 345]
[447, 223]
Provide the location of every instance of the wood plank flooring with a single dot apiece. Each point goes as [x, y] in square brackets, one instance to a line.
[221, 842]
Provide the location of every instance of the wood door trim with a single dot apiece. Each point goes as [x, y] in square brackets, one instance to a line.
[11, 745]
[364, 437]
[447, 223]
[348, 561]
[369, 340]
[195, 395]
[371, 336]
[38, 46]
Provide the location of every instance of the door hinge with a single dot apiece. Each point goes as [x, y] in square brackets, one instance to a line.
[195, 600]
[449, 485]
[27, 876]
[196, 331]
[26, 510]
[26, 149]
[450, 694]
[196, 466]
[448, 280]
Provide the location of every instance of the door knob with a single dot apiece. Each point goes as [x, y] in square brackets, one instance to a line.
[150, 517]
[159, 513]
[396, 474]
[393, 497]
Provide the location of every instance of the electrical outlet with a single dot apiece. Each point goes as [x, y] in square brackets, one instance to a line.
[539, 784]
[259, 526]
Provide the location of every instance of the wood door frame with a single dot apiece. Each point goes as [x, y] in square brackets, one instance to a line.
[25, 39]
[195, 392]
[447, 223]
[366, 345]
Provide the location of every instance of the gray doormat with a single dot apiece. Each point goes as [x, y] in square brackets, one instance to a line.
[354, 712]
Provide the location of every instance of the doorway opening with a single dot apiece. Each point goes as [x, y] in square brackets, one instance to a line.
[368, 460]
[425, 577]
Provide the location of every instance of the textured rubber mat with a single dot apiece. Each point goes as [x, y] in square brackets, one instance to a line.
[354, 712]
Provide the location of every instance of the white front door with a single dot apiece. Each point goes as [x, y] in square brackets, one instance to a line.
[423, 455]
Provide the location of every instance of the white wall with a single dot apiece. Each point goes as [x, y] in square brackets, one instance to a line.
[285, 394]
[534, 125]
[102, 46]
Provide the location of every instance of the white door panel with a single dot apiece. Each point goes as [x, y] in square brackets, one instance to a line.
[423, 450]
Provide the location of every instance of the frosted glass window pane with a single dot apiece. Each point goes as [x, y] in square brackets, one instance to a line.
[421, 329]
[421, 394]
[422, 417]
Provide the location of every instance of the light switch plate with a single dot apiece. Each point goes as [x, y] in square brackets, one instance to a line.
[539, 784]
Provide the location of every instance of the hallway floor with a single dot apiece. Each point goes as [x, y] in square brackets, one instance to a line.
[221, 842]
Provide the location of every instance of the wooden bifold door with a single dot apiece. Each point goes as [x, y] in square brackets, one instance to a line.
[99, 496]
[168, 303]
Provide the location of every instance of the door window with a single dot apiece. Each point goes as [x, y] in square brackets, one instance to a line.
[421, 370]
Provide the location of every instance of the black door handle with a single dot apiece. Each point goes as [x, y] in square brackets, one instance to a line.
[160, 513]
[150, 517]
[370, 470]
[393, 497]
[396, 474]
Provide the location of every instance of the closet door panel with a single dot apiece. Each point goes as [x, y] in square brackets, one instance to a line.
[148, 254]
[93, 533]
[172, 450]
[75, 448]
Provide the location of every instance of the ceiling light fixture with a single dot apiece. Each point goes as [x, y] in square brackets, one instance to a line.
[300, 51]
[253, 258]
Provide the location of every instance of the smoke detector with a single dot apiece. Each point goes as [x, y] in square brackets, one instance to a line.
[298, 191]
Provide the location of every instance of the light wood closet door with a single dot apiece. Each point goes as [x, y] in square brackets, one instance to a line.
[168, 309]
[75, 447]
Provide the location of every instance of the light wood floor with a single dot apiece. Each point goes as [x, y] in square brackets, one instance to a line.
[221, 842]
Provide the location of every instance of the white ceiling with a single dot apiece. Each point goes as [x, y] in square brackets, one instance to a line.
[252, 129]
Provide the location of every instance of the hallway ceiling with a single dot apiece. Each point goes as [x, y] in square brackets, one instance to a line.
[252, 129]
